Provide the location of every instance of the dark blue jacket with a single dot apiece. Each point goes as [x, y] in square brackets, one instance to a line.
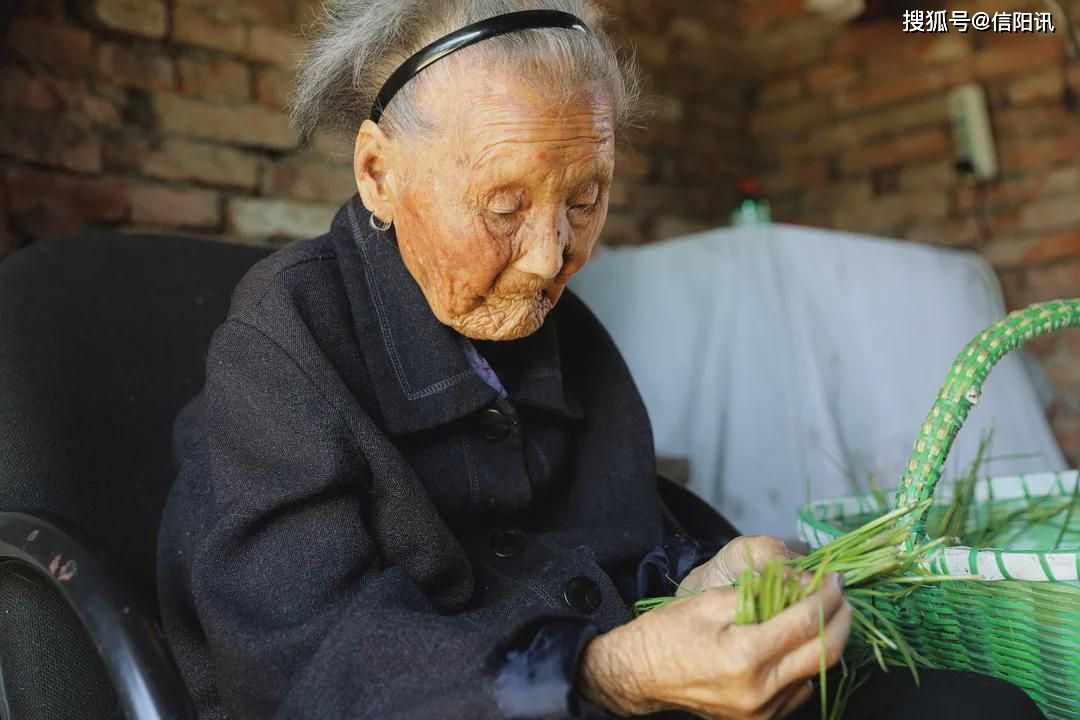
[361, 527]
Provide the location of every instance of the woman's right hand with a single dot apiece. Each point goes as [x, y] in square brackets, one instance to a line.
[690, 655]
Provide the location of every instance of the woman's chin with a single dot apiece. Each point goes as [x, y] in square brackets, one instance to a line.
[503, 319]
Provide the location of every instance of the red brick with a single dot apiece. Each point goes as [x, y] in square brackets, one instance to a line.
[174, 207]
[124, 152]
[273, 219]
[1052, 213]
[50, 139]
[65, 197]
[1071, 342]
[333, 146]
[912, 146]
[308, 12]
[1041, 151]
[842, 133]
[19, 89]
[648, 15]
[884, 214]
[790, 118]
[619, 194]
[632, 164]
[765, 12]
[947, 232]
[272, 87]
[1067, 441]
[306, 180]
[148, 18]
[621, 229]
[794, 176]
[252, 125]
[188, 160]
[1014, 54]
[1052, 282]
[787, 47]
[276, 47]
[918, 53]
[1036, 87]
[1017, 190]
[663, 227]
[938, 174]
[831, 76]
[192, 26]
[65, 50]
[1044, 346]
[272, 12]
[145, 68]
[1063, 371]
[777, 92]
[889, 91]
[1017, 126]
[218, 79]
[1055, 247]
[869, 38]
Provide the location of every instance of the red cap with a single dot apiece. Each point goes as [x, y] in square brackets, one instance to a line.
[749, 186]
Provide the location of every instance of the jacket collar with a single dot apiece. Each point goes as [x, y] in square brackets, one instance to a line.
[419, 372]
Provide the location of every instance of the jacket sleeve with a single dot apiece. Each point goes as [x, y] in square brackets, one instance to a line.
[302, 614]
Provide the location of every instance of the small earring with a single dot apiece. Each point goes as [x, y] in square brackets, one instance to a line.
[376, 226]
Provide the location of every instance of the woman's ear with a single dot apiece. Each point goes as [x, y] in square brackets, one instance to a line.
[372, 159]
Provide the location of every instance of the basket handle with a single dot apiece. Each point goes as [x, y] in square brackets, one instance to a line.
[961, 391]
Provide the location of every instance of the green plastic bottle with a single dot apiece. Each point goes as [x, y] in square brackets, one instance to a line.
[753, 208]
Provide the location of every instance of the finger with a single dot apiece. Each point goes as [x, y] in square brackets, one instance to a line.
[801, 622]
[715, 604]
[764, 548]
[805, 661]
[803, 692]
[775, 704]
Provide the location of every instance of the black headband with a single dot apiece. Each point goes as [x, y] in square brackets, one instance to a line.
[493, 26]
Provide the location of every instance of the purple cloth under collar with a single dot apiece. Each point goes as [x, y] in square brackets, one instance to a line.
[481, 367]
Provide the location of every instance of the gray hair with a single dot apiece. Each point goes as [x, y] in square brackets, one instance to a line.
[360, 42]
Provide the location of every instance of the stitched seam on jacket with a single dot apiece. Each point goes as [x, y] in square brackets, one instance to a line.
[384, 327]
[543, 458]
[474, 479]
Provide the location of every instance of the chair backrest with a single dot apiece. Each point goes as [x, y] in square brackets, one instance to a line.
[49, 669]
[102, 341]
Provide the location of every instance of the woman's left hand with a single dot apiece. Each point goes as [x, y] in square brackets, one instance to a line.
[724, 567]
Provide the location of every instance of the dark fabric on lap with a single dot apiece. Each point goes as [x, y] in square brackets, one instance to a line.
[941, 695]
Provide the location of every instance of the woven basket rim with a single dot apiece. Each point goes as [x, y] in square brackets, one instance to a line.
[1039, 564]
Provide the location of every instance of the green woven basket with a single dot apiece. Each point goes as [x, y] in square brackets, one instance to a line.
[1025, 626]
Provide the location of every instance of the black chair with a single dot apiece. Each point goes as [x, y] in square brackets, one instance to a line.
[102, 340]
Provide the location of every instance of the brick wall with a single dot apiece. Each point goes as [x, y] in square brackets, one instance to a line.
[851, 131]
[168, 114]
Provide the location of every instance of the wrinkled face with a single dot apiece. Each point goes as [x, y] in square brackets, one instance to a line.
[502, 203]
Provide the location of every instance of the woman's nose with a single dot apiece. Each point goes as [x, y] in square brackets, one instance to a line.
[545, 251]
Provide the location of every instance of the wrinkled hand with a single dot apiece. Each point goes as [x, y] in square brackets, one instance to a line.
[724, 567]
[689, 655]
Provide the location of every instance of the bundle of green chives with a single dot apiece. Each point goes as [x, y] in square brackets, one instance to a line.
[873, 563]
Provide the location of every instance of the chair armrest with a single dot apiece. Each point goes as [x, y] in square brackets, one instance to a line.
[136, 660]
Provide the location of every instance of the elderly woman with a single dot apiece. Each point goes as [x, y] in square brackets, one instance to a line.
[419, 481]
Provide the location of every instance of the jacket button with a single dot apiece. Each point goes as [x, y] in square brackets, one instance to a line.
[507, 542]
[582, 594]
[494, 425]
